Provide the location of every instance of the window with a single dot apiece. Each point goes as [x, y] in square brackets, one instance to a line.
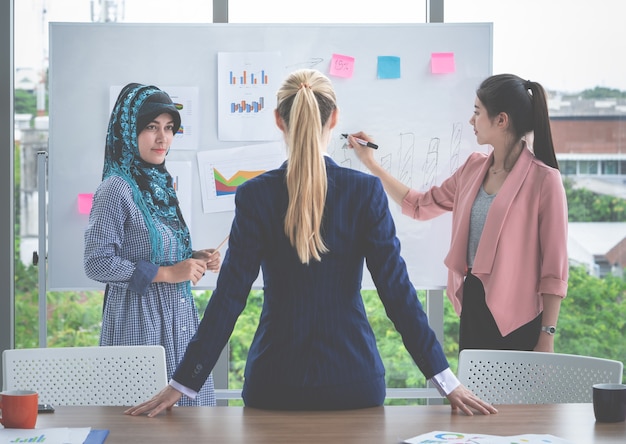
[589, 167]
[568, 167]
[567, 63]
[610, 167]
[326, 11]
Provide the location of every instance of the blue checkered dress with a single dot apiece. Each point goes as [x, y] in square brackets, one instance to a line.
[137, 311]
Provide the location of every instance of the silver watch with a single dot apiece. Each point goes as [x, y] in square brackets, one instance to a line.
[550, 329]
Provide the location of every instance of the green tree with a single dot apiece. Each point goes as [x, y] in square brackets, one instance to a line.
[24, 102]
[586, 206]
[592, 320]
[601, 92]
[75, 318]
[26, 306]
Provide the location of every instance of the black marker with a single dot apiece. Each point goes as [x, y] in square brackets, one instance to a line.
[363, 142]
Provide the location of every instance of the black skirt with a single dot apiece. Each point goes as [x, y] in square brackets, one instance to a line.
[478, 328]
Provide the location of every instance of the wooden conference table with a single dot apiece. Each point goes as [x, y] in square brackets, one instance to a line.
[379, 425]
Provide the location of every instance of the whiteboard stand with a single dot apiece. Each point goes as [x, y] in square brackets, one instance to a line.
[434, 311]
[42, 168]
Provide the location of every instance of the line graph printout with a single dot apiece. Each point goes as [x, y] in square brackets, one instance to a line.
[222, 171]
[247, 85]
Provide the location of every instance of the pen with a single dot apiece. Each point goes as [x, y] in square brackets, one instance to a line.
[221, 244]
[363, 142]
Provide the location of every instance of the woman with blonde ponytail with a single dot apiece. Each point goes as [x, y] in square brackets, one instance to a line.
[309, 226]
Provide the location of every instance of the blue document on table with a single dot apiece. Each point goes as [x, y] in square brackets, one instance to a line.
[96, 436]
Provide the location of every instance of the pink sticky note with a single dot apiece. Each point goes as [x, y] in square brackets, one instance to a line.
[442, 62]
[341, 65]
[84, 203]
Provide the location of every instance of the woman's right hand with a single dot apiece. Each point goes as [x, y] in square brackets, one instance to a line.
[461, 398]
[188, 270]
[365, 154]
[396, 189]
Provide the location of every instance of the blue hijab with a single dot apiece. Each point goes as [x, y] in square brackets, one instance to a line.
[151, 185]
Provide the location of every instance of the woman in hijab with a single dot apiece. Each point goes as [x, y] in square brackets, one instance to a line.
[137, 241]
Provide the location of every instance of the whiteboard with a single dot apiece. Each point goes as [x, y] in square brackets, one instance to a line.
[419, 120]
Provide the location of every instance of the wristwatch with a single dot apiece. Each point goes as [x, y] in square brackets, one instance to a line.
[550, 329]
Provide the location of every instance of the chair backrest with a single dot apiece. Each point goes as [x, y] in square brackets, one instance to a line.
[112, 375]
[526, 377]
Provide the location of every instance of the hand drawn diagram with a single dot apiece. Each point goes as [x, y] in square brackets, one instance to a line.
[339, 150]
[455, 146]
[311, 63]
[406, 154]
[429, 168]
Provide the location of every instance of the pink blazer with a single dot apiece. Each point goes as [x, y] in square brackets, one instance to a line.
[523, 248]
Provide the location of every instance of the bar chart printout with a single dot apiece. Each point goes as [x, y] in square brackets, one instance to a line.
[47, 435]
[246, 78]
[246, 81]
[222, 171]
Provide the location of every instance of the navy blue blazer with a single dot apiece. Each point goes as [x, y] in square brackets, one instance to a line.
[313, 330]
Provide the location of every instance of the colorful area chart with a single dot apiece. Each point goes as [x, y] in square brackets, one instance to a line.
[224, 186]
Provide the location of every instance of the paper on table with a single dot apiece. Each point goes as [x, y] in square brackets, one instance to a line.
[97, 436]
[478, 438]
[56, 435]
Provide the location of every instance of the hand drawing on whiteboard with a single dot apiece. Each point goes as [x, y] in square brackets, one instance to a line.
[247, 85]
[222, 171]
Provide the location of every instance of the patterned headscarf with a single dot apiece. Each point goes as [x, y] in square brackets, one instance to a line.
[152, 187]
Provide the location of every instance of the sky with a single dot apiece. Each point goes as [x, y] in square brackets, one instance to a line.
[566, 45]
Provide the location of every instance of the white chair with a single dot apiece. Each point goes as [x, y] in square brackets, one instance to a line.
[526, 377]
[114, 375]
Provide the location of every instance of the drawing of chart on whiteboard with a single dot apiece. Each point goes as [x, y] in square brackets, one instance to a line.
[222, 171]
[247, 85]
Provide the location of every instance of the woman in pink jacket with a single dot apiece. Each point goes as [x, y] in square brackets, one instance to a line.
[507, 263]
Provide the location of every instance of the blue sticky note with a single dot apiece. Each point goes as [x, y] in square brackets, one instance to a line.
[388, 67]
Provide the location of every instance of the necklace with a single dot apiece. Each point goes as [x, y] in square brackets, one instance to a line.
[494, 171]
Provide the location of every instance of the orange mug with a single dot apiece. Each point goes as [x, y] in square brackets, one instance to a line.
[19, 409]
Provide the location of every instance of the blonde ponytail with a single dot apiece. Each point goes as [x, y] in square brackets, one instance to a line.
[305, 102]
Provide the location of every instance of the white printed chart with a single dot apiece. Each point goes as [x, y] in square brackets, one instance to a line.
[440, 437]
[222, 171]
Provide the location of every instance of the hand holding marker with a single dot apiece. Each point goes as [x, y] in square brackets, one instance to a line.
[363, 142]
[218, 248]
